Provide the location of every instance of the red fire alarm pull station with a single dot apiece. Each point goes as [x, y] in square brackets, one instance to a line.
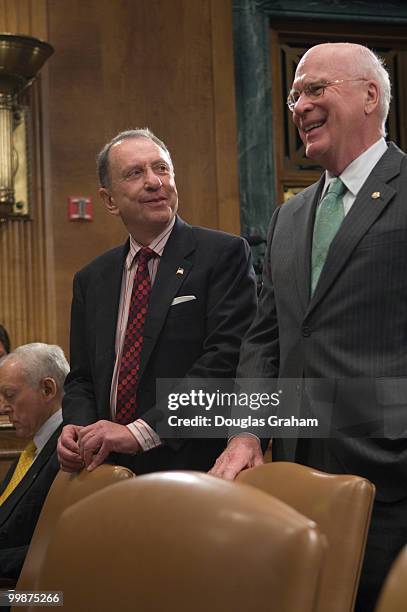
[80, 208]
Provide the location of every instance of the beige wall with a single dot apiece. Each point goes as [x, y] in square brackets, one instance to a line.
[118, 64]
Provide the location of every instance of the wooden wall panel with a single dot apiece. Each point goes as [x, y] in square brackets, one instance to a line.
[26, 263]
[225, 128]
[122, 64]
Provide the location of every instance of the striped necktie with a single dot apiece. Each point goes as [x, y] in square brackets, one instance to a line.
[24, 463]
[328, 219]
[126, 402]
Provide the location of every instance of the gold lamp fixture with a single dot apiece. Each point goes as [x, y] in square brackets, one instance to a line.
[21, 58]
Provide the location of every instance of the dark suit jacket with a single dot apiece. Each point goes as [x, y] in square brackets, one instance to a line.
[200, 338]
[20, 511]
[355, 324]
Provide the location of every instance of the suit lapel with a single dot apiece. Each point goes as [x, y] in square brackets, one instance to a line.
[107, 299]
[8, 476]
[303, 217]
[29, 479]
[364, 212]
[171, 274]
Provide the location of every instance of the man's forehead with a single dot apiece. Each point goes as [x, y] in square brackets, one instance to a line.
[322, 62]
[11, 370]
[142, 148]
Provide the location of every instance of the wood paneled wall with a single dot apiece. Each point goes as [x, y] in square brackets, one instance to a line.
[166, 64]
[27, 305]
[24, 17]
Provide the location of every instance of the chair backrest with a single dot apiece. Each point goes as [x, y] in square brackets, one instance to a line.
[393, 596]
[341, 505]
[66, 490]
[183, 541]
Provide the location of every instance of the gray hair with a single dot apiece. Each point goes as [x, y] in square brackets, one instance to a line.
[102, 160]
[374, 66]
[41, 361]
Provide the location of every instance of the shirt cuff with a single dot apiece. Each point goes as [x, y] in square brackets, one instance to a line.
[144, 434]
[242, 435]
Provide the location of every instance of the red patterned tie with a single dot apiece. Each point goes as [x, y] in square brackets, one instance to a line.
[126, 403]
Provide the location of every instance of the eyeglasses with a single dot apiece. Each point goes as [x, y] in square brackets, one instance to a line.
[314, 90]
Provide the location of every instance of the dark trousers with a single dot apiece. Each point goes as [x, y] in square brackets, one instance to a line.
[387, 536]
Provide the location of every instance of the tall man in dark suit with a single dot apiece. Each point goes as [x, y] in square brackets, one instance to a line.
[173, 302]
[31, 387]
[335, 290]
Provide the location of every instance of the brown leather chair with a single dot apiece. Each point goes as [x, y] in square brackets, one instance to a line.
[393, 597]
[66, 490]
[341, 505]
[182, 541]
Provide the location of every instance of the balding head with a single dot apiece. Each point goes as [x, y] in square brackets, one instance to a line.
[340, 100]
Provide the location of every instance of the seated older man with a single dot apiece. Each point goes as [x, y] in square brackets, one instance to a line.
[31, 388]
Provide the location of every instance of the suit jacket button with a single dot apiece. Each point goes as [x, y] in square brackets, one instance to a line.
[306, 331]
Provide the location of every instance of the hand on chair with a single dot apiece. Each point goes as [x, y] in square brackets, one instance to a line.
[242, 452]
[68, 449]
[98, 440]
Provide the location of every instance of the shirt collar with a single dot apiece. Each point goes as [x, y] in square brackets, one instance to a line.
[357, 172]
[157, 245]
[47, 429]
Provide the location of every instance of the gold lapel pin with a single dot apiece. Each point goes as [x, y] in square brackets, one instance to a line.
[180, 271]
[375, 195]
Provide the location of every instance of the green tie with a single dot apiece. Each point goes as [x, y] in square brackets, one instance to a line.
[328, 219]
[24, 463]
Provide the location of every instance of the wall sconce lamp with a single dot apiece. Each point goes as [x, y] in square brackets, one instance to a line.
[21, 58]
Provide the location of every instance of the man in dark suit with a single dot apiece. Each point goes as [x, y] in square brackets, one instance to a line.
[334, 298]
[31, 387]
[181, 312]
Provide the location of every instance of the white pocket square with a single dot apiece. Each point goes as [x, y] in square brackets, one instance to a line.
[182, 298]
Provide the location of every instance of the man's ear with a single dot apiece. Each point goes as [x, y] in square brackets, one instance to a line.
[372, 97]
[48, 388]
[108, 201]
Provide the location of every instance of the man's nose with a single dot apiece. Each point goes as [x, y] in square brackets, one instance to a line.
[303, 104]
[152, 180]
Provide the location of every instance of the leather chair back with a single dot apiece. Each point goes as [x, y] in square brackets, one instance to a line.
[182, 541]
[340, 505]
[66, 490]
[393, 596]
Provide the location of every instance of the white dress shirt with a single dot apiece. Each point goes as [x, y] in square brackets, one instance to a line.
[354, 176]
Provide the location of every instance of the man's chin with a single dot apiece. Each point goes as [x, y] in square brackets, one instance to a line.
[162, 217]
[314, 152]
